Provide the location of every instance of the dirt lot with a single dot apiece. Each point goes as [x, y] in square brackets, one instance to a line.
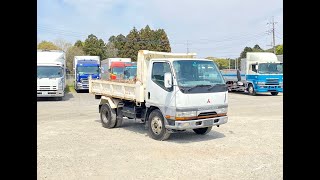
[72, 144]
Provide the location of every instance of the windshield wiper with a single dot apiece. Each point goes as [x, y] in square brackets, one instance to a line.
[216, 85]
[201, 85]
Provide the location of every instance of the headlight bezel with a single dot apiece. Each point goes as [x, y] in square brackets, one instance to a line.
[60, 84]
[186, 113]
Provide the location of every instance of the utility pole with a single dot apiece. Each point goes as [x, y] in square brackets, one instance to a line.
[273, 35]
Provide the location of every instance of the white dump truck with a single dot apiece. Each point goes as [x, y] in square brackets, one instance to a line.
[173, 92]
[51, 73]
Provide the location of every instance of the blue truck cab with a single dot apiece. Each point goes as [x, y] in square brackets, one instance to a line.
[130, 71]
[261, 72]
[85, 66]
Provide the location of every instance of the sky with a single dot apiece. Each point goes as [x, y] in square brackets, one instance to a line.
[215, 28]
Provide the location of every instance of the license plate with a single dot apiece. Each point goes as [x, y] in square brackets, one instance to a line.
[44, 93]
[208, 122]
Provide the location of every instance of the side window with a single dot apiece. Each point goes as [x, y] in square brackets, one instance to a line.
[253, 67]
[158, 71]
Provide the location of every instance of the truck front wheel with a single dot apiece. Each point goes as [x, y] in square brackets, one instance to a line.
[274, 93]
[157, 129]
[251, 90]
[108, 116]
[202, 131]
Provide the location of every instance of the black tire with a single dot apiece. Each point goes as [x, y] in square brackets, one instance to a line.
[202, 131]
[119, 119]
[251, 90]
[59, 98]
[118, 122]
[156, 126]
[274, 93]
[108, 116]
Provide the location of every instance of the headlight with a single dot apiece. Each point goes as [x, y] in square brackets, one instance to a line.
[222, 110]
[261, 83]
[186, 115]
[60, 85]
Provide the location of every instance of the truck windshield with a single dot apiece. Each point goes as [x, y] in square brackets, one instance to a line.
[88, 69]
[49, 72]
[118, 70]
[196, 73]
[270, 68]
[130, 72]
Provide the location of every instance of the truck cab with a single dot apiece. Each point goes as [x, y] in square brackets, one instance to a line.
[85, 66]
[130, 70]
[117, 70]
[264, 73]
[51, 73]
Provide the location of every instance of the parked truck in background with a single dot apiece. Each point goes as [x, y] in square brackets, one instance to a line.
[261, 72]
[173, 92]
[85, 66]
[280, 58]
[130, 70]
[113, 68]
[51, 73]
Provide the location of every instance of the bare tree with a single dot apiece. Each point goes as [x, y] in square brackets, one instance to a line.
[62, 44]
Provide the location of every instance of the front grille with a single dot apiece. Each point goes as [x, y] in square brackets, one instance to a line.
[85, 81]
[207, 113]
[47, 88]
[272, 81]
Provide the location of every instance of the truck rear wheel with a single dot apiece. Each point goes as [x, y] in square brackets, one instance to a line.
[251, 90]
[108, 116]
[274, 93]
[202, 131]
[157, 129]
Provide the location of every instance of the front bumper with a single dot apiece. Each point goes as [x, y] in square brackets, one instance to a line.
[199, 123]
[58, 93]
[82, 86]
[269, 88]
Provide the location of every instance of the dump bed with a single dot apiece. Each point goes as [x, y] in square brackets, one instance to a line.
[122, 90]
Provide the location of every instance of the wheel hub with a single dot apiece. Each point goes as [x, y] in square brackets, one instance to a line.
[156, 125]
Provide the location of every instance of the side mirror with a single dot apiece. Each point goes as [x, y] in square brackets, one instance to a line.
[238, 75]
[168, 80]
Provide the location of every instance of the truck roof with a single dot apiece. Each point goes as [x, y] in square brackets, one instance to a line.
[50, 57]
[188, 59]
[261, 57]
[91, 61]
[87, 58]
[117, 64]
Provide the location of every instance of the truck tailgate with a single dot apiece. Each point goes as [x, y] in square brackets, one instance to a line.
[112, 89]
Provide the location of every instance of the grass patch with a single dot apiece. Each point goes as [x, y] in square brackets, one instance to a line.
[69, 88]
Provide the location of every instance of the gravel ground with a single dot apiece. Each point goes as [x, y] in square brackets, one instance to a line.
[72, 144]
